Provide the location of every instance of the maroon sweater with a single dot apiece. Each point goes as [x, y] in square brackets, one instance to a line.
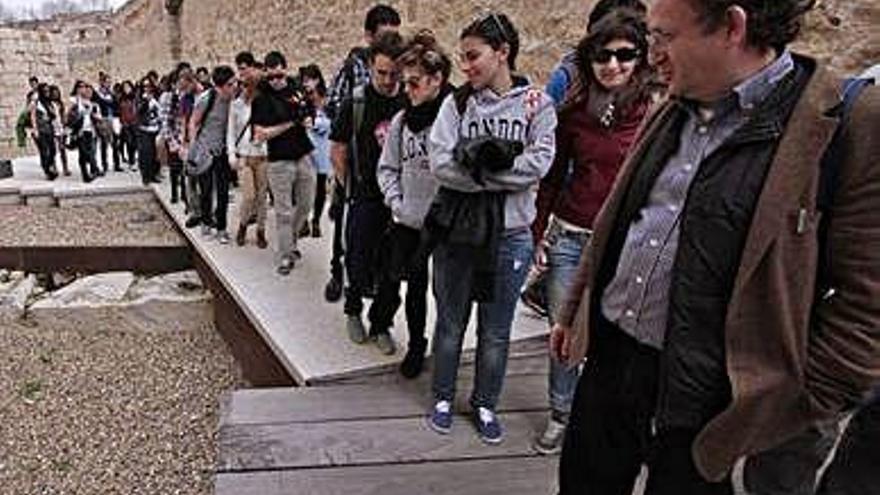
[588, 157]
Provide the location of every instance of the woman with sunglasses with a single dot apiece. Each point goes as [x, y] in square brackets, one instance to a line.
[491, 144]
[408, 186]
[81, 121]
[600, 114]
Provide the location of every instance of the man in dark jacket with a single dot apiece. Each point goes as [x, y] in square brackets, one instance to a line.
[698, 293]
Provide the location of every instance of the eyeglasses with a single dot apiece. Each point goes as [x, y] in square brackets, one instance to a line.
[622, 55]
[274, 77]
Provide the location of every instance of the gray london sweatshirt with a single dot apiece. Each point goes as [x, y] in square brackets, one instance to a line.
[404, 173]
[524, 114]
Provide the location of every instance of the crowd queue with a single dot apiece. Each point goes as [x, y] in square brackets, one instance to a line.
[691, 204]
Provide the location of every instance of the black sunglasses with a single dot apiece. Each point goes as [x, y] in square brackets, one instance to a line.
[273, 77]
[622, 55]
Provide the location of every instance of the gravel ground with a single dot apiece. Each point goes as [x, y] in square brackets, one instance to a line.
[106, 409]
[123, 223]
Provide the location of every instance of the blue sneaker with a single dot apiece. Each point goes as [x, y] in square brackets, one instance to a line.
[488, 426]
[441, 417]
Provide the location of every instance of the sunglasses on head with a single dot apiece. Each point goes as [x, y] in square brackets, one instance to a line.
[493, 17]
[622, 55]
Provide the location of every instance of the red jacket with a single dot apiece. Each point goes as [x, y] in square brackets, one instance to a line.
[588, 157]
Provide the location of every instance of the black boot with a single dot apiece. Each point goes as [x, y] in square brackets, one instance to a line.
[414, 361]
[333, 290]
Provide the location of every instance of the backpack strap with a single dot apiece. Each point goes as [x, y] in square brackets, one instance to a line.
[358, 109]
[212, 97]
[828, 177]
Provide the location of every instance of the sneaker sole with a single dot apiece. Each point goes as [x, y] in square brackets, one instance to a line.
[491, 441]
[437, 429]
[541, 450]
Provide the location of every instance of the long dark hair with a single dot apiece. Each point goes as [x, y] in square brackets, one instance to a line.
[622, 23]
[496, 30]
[44, 96]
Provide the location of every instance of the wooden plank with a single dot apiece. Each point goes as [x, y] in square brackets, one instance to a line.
[319, 404]
[95, 259]
[509, 476]
[527, 363]
[366, 442]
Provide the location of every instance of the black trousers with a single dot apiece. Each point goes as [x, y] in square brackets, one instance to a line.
[320, 197]
[404, 262]
[46, 147]
[129, 144]
[147, 163]
[214, 193]
[610, 432]
[178, 186]
[105, 139]
[854, 469]
[88, 165]
[367, 220]
[337, 214]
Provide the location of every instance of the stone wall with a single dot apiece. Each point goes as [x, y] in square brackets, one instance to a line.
[24, 53]
[322, 32]
[140, 39]
[141, 36]
[841, 32]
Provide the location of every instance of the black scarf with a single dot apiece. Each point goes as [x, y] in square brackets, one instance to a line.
[418, 118]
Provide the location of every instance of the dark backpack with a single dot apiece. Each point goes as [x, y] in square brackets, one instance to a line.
[828, 178]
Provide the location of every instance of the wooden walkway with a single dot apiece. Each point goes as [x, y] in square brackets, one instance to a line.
[368, 435]
[305, 333]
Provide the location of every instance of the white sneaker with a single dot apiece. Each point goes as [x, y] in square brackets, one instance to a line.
[550, 442]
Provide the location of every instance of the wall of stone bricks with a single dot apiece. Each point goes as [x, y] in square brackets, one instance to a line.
[322, 32]
[140, 39]
[24, 53]
[841, 32]
[139, 36]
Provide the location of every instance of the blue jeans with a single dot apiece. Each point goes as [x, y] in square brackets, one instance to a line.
[453, 280]
[563, 256]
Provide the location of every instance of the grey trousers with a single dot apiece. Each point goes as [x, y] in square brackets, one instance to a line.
[192, 195]
[289, 180]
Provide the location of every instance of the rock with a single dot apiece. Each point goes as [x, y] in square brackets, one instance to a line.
[14, 296]
[180, 286]
[93, 290]
[60, 280]
[143, 217]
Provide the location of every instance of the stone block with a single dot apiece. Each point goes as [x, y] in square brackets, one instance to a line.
[14, 295]
[101, 289]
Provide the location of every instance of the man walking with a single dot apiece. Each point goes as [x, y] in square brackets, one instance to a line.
[353, 73]
[357, 138]
[698, 293]
[278, 113]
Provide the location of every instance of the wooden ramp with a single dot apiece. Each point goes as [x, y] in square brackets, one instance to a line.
[369, 436]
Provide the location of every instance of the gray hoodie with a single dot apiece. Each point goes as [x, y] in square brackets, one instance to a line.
[524, 114]
[404, 174]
